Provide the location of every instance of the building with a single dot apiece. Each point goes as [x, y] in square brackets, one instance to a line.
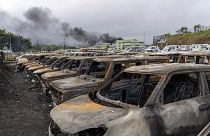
[103, 45]
[122, 44]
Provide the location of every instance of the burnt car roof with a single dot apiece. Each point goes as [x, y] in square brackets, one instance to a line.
[165, 68]
[164, 53]
[129, 58]
[82, 58]
[196, 53]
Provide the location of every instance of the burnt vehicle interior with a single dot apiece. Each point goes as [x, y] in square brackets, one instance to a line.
[51, 60]
[131, 88]
[181, 87]
[75, 64]
[100, 69]
[59, 63]
[194, 59]
[135, 89]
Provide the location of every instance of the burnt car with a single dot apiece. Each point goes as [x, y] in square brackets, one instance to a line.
[100, 71]
[147, 100]
[196, 57]
[55, 66]
[173, 57]
[75, 67]
[205, 131]
[47, 62]
[28, 59]
[23, 59]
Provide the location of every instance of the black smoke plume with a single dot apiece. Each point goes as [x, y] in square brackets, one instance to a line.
[42, 26]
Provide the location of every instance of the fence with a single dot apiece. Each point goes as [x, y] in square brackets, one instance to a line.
[4, 56]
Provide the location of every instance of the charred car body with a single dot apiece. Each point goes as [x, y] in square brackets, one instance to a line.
[195, 57]
[59, 64]
[48, 61]
[75, 67]
[24, 60]
[156, 99]
[100, 71]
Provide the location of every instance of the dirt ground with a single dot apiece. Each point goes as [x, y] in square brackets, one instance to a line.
[22, 112]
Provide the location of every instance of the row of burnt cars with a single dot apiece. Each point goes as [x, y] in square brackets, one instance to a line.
[121, 95]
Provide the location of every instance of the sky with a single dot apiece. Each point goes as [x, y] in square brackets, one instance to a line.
[128, 19]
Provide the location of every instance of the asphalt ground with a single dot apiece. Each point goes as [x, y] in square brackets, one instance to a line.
[22, 111]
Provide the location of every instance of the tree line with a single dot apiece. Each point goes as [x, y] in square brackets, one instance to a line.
[18, 43]
[14, 42]
[196, 28]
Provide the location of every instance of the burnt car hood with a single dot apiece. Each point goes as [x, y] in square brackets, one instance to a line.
[32, 65]
[73, 83]
[43, 70]
[22, 61]
[57, 74]
[36, 67]
[82, 113]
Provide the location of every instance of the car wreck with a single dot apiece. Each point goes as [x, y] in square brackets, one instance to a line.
[27, 59]
[100, 71]
[48, 61]
[55, 66]
[75, 67]
[205, 131]
[146, 100]
[173, 57]
[195, 57]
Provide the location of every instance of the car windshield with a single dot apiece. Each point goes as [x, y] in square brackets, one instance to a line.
[74, 65]
[131, 88]
[98, 69]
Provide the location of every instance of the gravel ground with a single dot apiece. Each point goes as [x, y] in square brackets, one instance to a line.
[22, 112]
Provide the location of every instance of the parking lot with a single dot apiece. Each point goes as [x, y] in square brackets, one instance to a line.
[23, 112]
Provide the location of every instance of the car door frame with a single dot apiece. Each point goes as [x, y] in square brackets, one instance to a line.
[158, 100]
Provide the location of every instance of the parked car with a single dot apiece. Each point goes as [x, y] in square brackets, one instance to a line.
[198, 47]
[44, 63]
[170, 48]
[173, 57]
[196, 57]
[146, 100]
[184, 48]
[152, 49]
[75, 67]
[100, 71]
[55, 66]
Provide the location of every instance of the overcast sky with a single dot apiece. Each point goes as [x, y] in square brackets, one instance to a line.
[121, 18]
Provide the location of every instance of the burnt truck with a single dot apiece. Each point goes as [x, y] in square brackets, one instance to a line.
[147, 100]
[100, 71]
[75, 67]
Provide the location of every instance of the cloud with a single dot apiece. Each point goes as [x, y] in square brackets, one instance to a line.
[123, 18]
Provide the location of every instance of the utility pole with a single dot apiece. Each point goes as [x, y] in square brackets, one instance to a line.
[144, 37]
[37, 45]
[10, 44]
[64, 42]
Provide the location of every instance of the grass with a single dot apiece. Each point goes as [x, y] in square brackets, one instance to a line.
[190, 38]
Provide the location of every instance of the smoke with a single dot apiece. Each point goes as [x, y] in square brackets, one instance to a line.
[40, 17]
[40, 25]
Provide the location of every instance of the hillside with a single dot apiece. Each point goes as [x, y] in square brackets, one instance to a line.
[190, 38]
